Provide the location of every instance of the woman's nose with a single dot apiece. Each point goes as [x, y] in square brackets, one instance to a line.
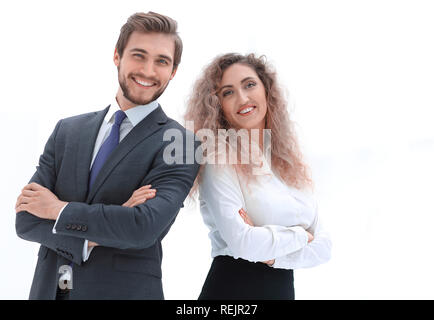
[242, 98]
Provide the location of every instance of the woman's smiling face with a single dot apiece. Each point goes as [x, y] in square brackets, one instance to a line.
[242, 97]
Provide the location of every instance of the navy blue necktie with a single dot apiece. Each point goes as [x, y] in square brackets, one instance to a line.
[107, 147]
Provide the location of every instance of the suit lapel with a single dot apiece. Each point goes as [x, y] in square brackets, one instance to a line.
[140, 132]
[86, 144]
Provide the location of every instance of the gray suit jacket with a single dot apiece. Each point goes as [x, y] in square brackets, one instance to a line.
[127, 264]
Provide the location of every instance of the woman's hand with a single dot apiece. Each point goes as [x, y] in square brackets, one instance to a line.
[249, 221]
[309, 237]
[140, 196]
[245, 217]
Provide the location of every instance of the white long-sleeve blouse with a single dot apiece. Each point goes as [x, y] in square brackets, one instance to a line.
[281, 216]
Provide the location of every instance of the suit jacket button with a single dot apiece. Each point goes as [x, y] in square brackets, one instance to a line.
[84, 228]
[78, 227]
[73, 227]
[68, 226]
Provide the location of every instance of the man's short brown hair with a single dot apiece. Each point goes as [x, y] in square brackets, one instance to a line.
[150, 22]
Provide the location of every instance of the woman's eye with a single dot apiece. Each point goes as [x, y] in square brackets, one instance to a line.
[250, 84]
[226, 93]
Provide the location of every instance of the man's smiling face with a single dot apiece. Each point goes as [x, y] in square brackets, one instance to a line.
[145, 68]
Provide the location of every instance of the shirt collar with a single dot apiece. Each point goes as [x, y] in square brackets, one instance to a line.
[134, 115]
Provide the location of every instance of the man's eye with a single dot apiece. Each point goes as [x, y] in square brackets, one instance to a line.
[162, 61]
[138, 55]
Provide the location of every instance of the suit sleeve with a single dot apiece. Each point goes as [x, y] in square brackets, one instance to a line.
[32, 228]
[140, 226]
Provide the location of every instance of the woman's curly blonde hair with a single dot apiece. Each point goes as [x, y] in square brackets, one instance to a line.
[204, 109]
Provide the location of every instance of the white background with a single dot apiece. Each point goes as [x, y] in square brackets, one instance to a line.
[360, 76]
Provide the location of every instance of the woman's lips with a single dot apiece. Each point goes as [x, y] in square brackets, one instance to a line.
[246, 110]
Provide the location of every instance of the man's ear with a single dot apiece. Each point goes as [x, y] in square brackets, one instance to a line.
[173, 73]
[116, 58]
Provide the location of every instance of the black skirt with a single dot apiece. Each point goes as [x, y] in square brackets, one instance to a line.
[238, 279]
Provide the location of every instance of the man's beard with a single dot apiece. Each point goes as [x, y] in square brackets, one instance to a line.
[127, 92]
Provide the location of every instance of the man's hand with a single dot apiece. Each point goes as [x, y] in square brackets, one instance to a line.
[140, 196]
[91, 244]
[39, 201]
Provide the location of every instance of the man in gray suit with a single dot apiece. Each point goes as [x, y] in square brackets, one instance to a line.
[97, 240]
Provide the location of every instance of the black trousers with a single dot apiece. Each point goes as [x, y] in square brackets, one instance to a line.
[238, 279]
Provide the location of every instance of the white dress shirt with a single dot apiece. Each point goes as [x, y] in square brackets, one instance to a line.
[281, 216]
[134, 116]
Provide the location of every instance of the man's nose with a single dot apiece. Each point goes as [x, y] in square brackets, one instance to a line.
[148, 69]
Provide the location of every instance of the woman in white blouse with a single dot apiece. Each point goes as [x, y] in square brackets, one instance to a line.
[262, 218]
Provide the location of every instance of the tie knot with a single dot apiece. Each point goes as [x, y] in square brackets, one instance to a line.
[119, 117]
